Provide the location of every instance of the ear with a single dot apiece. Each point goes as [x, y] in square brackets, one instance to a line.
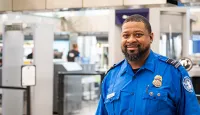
[151, 37]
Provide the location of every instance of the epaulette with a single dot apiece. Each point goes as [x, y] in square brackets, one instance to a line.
[115, 65]
[173, 62]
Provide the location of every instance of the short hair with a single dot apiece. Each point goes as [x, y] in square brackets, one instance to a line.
[75, 46]
[139, 18]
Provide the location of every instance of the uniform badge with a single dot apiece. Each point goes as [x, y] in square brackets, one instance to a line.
[187, 84]
[157, 82]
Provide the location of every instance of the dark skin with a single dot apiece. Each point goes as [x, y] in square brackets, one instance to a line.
[135, 37]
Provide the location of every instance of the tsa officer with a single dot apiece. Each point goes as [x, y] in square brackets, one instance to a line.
[145, 83]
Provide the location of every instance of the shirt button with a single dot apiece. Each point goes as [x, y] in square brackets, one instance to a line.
[158, 94]
[131, 110]
[151, 93]
[132, 93]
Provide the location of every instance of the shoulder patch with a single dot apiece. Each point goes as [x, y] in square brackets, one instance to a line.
[173, 62]
[187, 84]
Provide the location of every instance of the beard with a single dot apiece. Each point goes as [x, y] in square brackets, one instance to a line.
[135, 55]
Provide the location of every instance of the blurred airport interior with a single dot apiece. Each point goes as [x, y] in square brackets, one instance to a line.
[42, 32]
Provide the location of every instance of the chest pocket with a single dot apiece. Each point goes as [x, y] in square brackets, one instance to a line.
[155, 102]
[109, 103]
[119, 103]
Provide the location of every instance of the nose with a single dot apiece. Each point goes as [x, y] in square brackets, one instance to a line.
[131, 39]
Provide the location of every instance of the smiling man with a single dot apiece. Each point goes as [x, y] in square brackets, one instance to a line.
[145, 83]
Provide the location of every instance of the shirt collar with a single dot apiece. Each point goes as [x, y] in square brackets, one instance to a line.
[126, 67]
[149, 64]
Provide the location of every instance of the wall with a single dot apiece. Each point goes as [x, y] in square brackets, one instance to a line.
[5, 5]
[196, 24]
[91, 21]
[29, 19]
[21, 5]
[87, 24]
[76, 21]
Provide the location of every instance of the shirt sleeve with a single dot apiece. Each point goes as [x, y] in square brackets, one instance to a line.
[101, 110]
[188, 104]
[101, 107]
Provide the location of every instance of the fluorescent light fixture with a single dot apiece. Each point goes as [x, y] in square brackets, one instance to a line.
[124, 16]
[17, 17]
[4, 17]
[74, 13]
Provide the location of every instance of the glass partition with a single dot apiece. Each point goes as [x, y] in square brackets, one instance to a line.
[78, 93]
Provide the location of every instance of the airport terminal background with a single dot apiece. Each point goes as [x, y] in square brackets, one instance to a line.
[41, 33]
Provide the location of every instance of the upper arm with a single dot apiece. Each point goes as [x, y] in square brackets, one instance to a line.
[188, 103]
[101, 110]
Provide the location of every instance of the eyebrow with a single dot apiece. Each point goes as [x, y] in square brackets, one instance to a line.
[139, 31]
[133, 31]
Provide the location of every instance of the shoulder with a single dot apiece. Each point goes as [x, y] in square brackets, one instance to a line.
[110, 76]
[174, 65]
[168, 61]
[110, 73]
[70, 51]
[114, 67]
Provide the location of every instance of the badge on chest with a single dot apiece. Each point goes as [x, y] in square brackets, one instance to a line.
[157, 82]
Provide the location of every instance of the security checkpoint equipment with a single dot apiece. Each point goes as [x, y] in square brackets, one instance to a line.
[17, 77]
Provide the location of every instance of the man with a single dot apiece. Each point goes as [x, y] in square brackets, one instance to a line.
[145, 83]
[72, 54]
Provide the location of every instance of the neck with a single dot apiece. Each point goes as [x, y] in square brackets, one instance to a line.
[139, 63]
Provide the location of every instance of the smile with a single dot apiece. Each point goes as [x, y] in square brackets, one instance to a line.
[132, 48]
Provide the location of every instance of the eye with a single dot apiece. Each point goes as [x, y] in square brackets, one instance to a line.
[138, 35]
[125, 36]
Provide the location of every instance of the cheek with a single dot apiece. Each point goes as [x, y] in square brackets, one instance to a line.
[144, 43]
[123, 42]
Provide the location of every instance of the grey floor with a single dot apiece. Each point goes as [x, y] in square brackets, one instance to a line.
[88, 108]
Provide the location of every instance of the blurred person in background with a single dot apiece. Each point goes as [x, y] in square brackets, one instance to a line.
[30, 56]
[72, 54]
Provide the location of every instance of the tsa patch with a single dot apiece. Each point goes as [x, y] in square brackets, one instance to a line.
[187, 84]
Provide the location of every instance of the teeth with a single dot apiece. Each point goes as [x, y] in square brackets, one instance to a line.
[131, 46]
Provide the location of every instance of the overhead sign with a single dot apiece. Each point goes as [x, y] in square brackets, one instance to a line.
[121, 15]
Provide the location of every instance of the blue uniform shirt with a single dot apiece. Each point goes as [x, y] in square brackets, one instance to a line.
[144, 93]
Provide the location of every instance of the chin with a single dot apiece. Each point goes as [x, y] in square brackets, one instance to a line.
[135, 52]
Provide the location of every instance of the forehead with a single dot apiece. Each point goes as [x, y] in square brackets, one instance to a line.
[133, 26]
